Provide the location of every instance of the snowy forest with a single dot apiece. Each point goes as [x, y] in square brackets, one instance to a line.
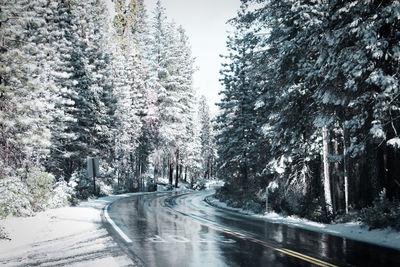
[309, 112]
[77, 84]
[311, 107]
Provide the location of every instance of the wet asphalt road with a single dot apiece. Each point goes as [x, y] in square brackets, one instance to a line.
[177, 229]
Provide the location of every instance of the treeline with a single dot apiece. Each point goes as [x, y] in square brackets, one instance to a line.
[311, 104]
[78, 82]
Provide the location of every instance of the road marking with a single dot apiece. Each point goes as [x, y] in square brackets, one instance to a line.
[116, 228]
[305, 257]
[282, 250]
[156, 239]
[181, 239]
[213, 225]
[228, 241]
[289, 252]
[178, 239]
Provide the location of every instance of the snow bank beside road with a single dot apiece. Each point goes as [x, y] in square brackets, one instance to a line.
[72, 236]
[385, 237]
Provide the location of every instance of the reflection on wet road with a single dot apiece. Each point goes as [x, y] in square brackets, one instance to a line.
[175, 229]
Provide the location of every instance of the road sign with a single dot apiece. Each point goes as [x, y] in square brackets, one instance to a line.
[93, 170]
[93, 167]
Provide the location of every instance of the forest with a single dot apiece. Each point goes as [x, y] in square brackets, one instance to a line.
[76, 83]
[309, 111]
[311, 105]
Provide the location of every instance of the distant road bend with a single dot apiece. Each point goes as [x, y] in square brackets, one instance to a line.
[180, 229]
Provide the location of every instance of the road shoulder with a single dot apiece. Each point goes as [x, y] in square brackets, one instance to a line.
[381, 237]
[73, 236]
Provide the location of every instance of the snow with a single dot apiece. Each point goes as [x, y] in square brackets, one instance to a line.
[273, 185]
[75, 236]
[377, 131]
[214, 183]
[165, 188]
[353, 230]
[70, 235]
[394, 142]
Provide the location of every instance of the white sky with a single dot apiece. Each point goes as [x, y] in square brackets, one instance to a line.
[205, 25]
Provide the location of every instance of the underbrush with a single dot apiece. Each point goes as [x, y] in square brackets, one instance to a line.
[383, 213]
[38, 192]
[245, 200]
[313, 209]
[302, 206]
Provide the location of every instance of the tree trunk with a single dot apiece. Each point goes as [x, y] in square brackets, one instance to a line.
[209, 168]
[177, 168]
[186, 168]
[345, 172]
[171, 170]
[338, 183]
[373, 173]
[385, 167]
[155, 172]
[163, 167]
[327, 181]
[212, 167]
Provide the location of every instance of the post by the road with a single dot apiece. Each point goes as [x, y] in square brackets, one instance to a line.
[93, 170]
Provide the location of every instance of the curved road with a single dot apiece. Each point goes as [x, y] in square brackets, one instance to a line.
[180, 229]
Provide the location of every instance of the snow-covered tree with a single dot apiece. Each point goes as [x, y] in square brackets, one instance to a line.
[172, 69]
[130, 84]
[206, 138]
[238, 134]
[24, 89]
[26, 94]
[325, 78]
[83, 122]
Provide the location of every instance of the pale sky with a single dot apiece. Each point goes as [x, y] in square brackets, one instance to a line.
[205, 25]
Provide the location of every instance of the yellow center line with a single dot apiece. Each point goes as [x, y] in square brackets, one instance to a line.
[282, 250]
[311, 258]
[265, 244]
[301, 258]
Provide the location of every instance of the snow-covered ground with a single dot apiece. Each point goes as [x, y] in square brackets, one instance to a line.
[386, 237]
[214, 183]
[71, 236]
[75, 236]
[184, 186]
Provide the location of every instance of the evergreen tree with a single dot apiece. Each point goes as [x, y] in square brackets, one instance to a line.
[80, 127]
[325, 75]
[172, 69]
[237, 134]
[190, 160]
[206, 138]
[135, 93]
[24, 95]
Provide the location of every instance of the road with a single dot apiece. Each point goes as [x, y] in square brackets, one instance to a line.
[180, 229]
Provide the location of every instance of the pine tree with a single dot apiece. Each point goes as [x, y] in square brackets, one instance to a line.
[206, 139]
[327, 94]
[358, 68]
[80, 127]
[134, 92]
[191, 161]
[24, 95]
[25, 103]
[238, 133]
[172, 69]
